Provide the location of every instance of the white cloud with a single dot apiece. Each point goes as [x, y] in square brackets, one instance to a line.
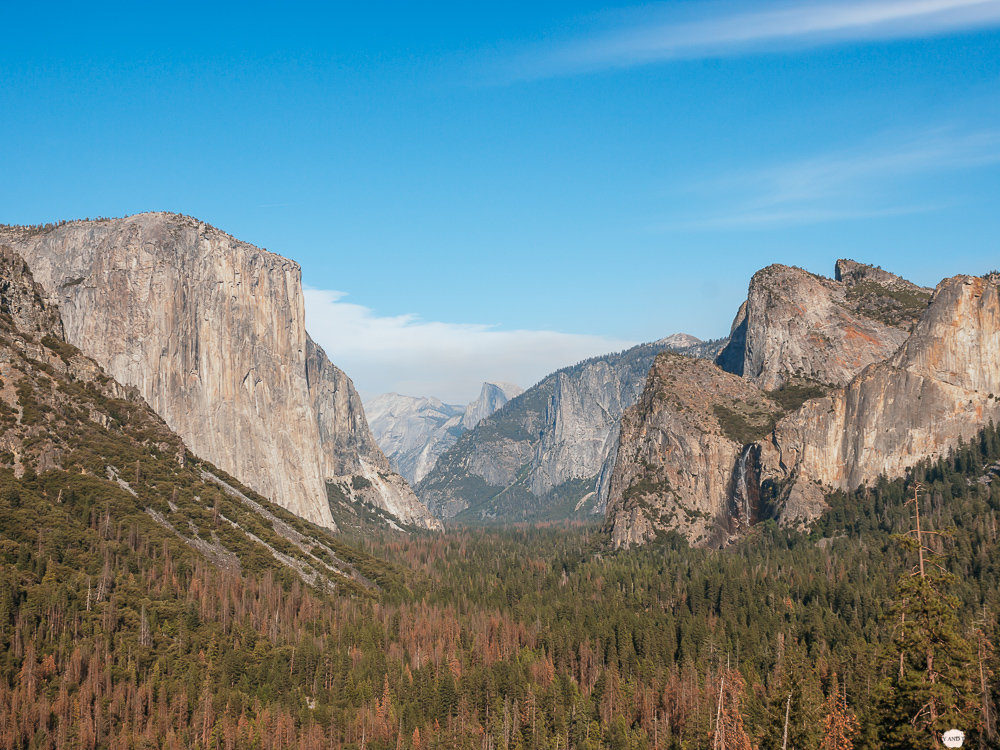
[425, 358]
[871, 181]
[645, 36]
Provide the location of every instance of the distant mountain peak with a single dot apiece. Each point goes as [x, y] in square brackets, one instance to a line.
[413, 430]
[493, 396]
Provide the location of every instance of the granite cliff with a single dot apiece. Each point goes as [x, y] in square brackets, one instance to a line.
[916, 374]
[796, 326]
[680, 444]
[92, 455]
[413, 432]
[491, 398]
[22, 300]
[210, 331]
[941, 386]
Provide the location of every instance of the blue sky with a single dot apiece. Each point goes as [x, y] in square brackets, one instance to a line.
[493, 192]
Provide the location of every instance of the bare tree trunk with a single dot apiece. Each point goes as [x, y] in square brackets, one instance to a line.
[718, 713]
[788, 706]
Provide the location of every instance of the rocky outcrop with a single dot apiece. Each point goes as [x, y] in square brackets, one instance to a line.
[796, 326]
[35, 366]
[210, 330]
[692, 346]
[941, 386]
[681, 459]
[22, 299]
[491, 398]
[413, 432]
[880, 295]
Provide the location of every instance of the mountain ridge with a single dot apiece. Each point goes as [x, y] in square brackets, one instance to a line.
[414, 431]
[548, 452]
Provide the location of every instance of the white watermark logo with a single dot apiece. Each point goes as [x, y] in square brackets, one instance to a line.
[953, 738]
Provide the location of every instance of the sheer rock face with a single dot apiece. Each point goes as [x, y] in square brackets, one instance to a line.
[211, 332]
[492, 397]
[796, 324]
[942, 385]
[349, 446]
[581, 421]
[677, 462]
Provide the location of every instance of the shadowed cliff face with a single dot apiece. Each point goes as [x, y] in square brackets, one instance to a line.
[795, 324]
[211, 332]
[348, 446]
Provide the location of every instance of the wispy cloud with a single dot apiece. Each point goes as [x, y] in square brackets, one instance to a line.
[426, 358]
[655, 33]
[868, 182]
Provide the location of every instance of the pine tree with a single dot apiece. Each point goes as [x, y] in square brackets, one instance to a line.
[930, 689]
[984, 655]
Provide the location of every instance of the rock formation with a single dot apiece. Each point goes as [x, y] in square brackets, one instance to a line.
[491, 398]
[100, 444]
[413, 432]
[547, 453]
[681, 447]
[351, 456]
[940, 387]
[22, 299]
[210, 330]
[35, 365]
[692, 346]
[795, 325]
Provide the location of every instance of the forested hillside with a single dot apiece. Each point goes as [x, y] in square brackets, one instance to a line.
[115, 635]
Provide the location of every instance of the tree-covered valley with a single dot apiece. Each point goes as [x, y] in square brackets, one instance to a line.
[116, 634]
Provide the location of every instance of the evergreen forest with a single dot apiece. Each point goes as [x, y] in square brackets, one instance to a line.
[115, 635]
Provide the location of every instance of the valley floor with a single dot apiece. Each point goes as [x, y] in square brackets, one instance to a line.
[532, 637]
